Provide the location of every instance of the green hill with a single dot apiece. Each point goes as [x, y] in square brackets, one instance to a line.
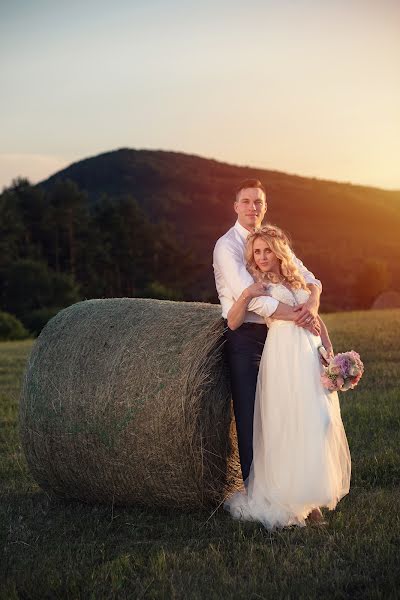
[336, 227]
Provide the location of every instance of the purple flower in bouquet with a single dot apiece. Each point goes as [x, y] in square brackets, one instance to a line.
[343, 371]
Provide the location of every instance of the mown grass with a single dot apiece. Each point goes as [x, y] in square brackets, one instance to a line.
[55, 549]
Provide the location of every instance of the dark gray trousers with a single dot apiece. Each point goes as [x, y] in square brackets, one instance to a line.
[243, 349]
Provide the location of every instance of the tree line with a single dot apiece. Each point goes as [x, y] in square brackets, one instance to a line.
[56, 248]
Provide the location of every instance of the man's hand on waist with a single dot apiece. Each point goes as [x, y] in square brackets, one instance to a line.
[307, 312]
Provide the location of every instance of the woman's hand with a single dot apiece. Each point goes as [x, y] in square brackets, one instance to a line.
[325, 354]
[329, 351]
[307, 313]
[255, 290]
[237, 311]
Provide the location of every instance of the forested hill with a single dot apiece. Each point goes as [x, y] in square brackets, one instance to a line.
[345, 233]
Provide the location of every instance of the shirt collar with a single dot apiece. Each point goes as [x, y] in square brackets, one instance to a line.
[243, 232]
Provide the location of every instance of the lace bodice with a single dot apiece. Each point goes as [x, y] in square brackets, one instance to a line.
[286, 296]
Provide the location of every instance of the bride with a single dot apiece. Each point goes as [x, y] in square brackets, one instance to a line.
[301, 458]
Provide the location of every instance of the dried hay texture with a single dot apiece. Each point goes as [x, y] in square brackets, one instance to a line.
[127, 401]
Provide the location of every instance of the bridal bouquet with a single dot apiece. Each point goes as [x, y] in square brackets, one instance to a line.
[342, 372]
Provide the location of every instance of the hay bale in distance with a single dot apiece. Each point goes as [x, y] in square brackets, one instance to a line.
[127, 400]
[388, 299]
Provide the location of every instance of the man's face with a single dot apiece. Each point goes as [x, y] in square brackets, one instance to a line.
[250, 207]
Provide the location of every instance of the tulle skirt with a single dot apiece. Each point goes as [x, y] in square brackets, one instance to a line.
[301, 457]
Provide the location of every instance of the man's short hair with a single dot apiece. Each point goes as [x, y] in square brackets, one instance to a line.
[250, 183]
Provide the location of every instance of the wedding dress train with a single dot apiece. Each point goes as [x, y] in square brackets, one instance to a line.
[301, 458]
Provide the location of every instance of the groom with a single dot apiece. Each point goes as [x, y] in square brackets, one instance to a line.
[245, 344]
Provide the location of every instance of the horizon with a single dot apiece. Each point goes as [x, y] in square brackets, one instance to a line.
[194, 154]
[311, 89]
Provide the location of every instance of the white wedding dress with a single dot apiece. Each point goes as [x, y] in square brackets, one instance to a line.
[301, 458]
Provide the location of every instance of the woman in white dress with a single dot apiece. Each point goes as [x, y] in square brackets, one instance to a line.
[301, 458]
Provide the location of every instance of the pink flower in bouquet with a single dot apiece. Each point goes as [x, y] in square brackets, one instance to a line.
[326, 382]
[333, 369]
[343, 371]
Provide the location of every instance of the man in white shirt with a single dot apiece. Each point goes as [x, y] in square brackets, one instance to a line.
[245, 344]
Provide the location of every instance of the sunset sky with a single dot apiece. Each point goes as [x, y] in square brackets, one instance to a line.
[302, 86]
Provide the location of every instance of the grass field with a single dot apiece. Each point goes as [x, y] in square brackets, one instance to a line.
[52, 549]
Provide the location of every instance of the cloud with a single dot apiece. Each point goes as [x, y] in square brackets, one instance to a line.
[35, 167]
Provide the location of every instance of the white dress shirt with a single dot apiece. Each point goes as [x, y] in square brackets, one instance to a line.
[232, 277]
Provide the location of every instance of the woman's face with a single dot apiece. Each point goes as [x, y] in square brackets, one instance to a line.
[264, 258]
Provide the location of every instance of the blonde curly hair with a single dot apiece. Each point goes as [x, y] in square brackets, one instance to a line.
[279, 243]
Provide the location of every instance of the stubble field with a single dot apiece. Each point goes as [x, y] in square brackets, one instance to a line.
[53, 549]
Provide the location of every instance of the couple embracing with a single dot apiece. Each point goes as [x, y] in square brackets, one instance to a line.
[293, 449]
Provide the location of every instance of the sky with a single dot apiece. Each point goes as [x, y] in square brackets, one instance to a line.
[301, 86]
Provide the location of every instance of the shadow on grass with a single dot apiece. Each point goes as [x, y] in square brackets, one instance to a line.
[56, 549]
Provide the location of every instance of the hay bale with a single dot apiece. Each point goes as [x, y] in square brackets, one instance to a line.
[388, 299]
[127, 401]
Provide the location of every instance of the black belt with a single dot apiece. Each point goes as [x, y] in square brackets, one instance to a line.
[247, 325]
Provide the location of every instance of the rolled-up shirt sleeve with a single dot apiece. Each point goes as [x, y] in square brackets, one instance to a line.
[229, 260]
[308, 276]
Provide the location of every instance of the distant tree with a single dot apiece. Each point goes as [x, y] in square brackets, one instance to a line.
[24, 223]
[13, 233]
[28, 285]
[136, 257]
[32, 204]
[68, 217]
[160, 291]
[11, 328]
[371, 281]
[37, 319]
[173, 264]
[125, 245]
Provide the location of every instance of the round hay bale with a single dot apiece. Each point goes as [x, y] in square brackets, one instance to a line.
[389, 299]
[127, 400]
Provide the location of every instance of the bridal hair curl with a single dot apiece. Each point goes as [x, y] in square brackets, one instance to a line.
[279, 243]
